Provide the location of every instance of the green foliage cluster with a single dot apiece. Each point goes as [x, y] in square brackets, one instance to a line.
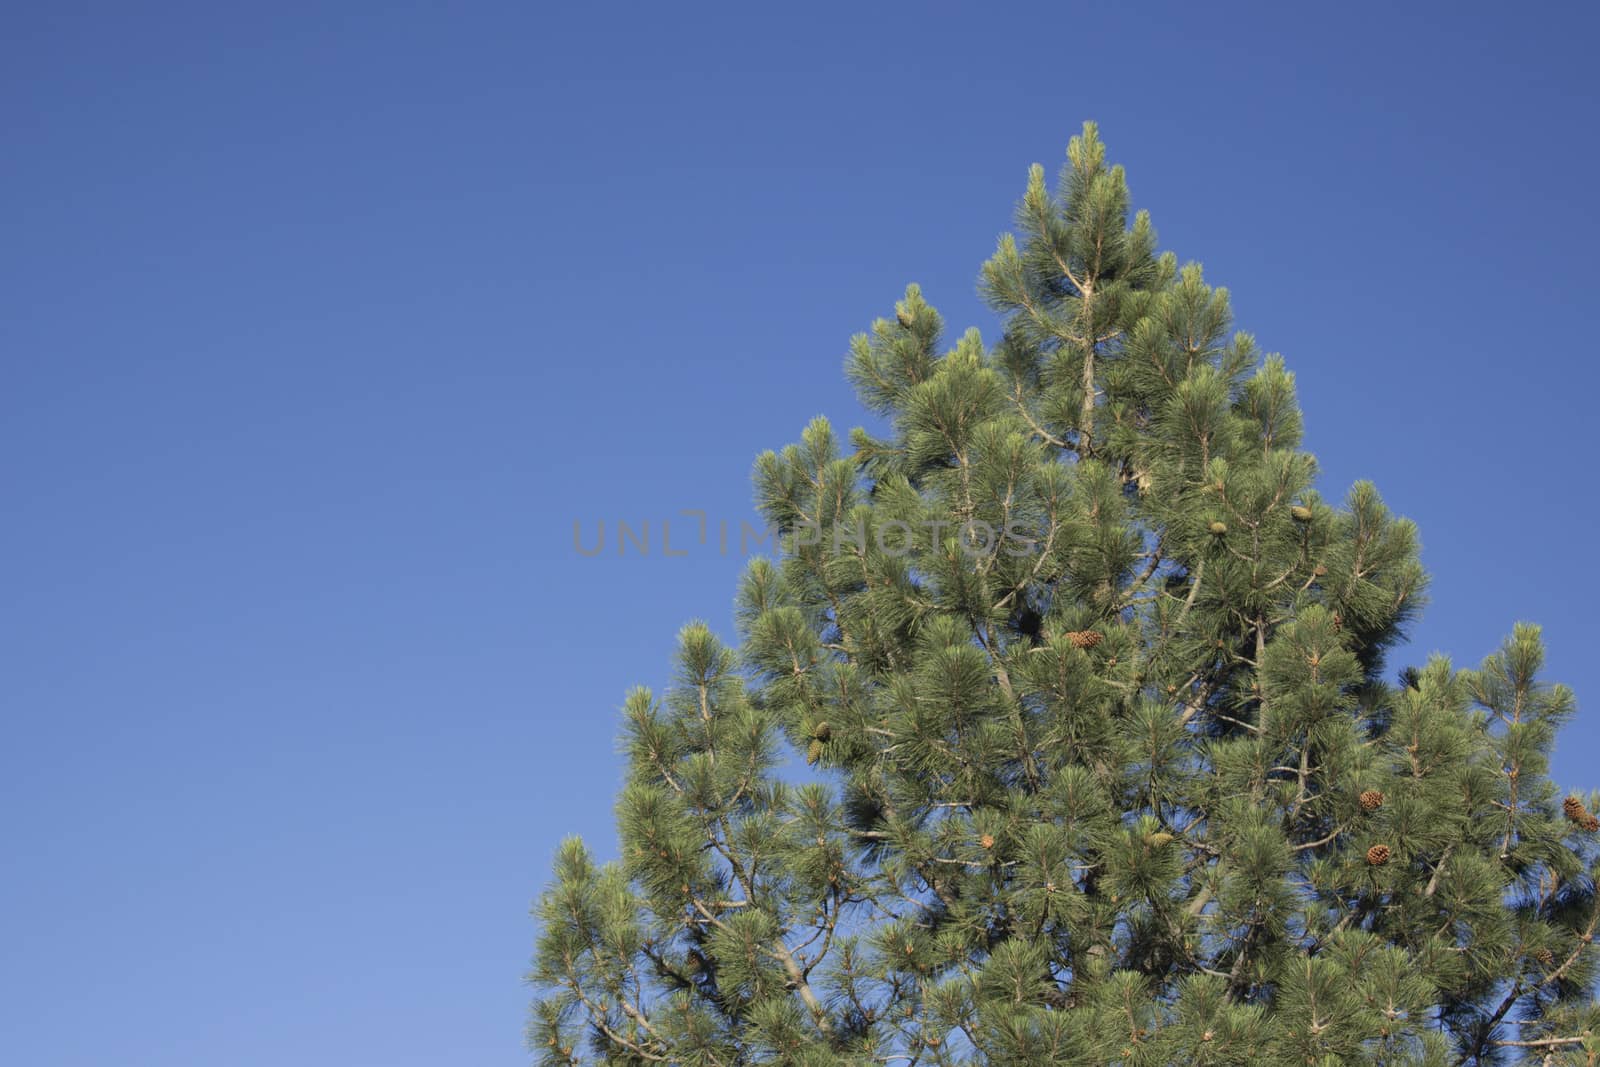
[1106, 767]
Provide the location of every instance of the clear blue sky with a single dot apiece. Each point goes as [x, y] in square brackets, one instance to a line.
[321, 324]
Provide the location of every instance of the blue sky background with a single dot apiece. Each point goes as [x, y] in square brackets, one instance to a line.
[322, 324]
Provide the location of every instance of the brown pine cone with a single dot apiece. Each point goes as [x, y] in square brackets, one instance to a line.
[1371, 800]
[1378, 855]
[1574, 809]
[1545, 957]
[987, 841]
[1084, 638]
[1590, 823]
[822, 731]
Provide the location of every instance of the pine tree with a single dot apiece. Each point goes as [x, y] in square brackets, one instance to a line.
[1105, 768]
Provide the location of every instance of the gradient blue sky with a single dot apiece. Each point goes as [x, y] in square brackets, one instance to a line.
[321, 324]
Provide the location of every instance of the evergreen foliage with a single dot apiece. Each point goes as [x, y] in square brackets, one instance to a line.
[1105, 766]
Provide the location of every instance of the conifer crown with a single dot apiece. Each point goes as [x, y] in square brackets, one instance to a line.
[1088, 672]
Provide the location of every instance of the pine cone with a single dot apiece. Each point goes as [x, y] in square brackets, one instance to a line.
[1319, 570]
[1590, 823]
[1545, 957]
[1371, 800]
[1219, 528]
[821, 732]
[904, 318]
[1084, 638]
[1378, 855]
[1301, 513]
[987, 841]
[1574, 809]
[814, 751]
